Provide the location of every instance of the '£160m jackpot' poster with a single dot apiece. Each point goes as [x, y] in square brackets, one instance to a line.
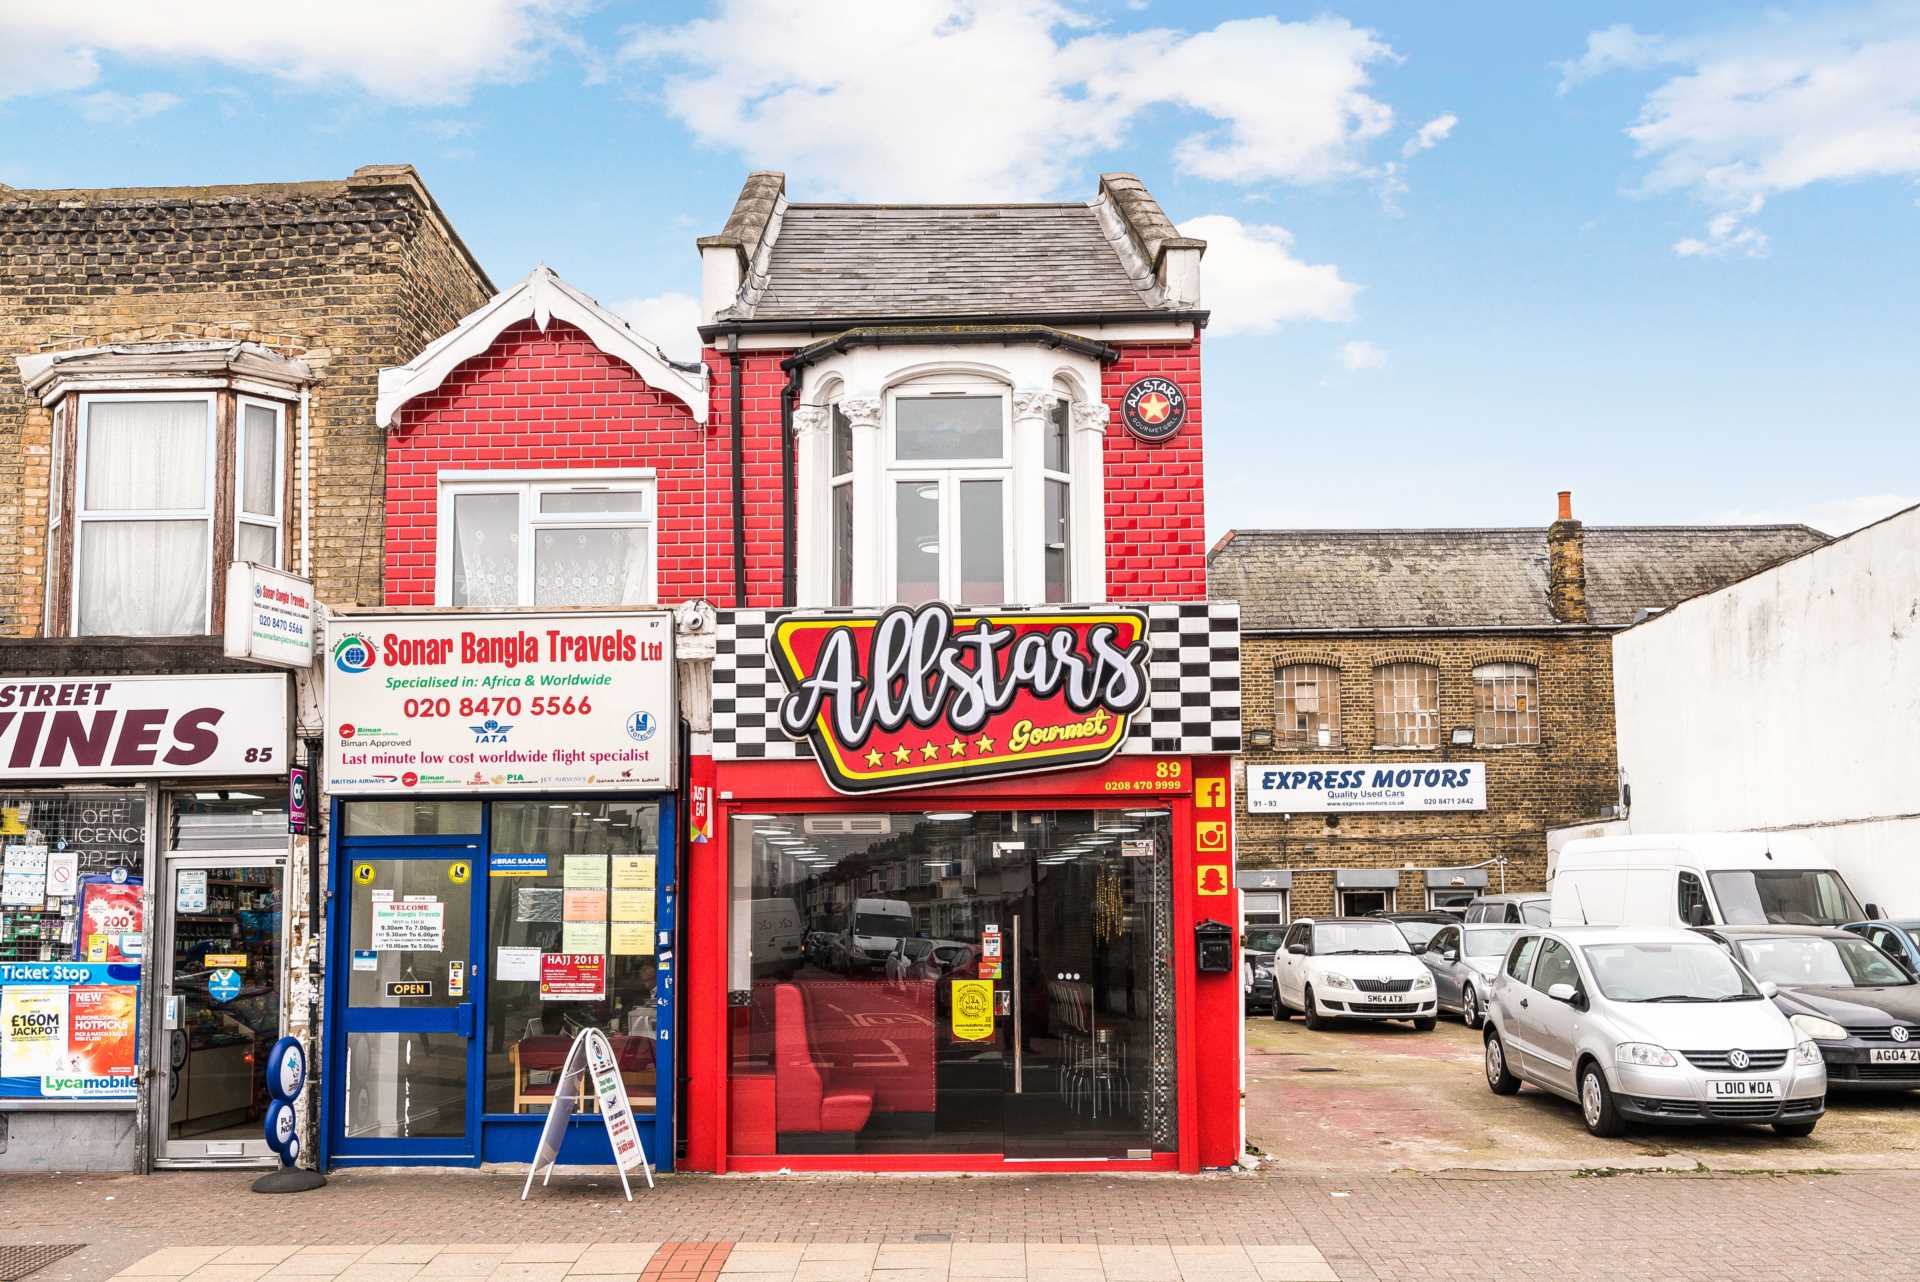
[68, 1030]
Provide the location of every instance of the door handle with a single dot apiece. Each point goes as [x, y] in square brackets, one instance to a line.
[1523, 1001]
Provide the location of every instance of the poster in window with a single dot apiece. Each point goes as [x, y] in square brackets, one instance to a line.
[33, 1031]
[112, 920]
[100, 1030]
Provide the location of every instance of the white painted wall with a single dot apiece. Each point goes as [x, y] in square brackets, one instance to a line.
[1790, 700]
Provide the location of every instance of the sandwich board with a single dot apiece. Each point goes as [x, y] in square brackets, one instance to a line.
[591, 1065]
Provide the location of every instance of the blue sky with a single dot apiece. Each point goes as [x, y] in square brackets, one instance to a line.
[1662, 255]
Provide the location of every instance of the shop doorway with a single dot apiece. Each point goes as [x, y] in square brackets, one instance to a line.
[953, 983]
[404, 1046]
[222, 969]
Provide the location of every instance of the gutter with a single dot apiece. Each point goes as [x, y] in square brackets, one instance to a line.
[820, 324]
[739, 477]
[789, 467]
[947, 337]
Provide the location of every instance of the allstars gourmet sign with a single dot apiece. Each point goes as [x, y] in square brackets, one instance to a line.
[916, 696]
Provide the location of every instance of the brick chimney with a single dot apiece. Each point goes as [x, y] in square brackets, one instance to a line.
[1567, 565]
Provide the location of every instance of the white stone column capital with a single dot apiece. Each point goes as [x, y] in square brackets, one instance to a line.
[1091, 416]
[810, 418]
[862, 411]
[1033, 403]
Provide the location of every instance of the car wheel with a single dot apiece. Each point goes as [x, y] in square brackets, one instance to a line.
[1424, 1025]
[1470, 1008]
[1500, 1078]
[1596, 1104]
[1315, 1020]
[1794, 1130]
[1281, 1014]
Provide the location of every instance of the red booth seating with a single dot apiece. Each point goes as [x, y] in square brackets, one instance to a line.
[809, 1099]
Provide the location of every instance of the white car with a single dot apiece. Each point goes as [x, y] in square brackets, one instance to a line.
[1351, 968]
[1464, 960]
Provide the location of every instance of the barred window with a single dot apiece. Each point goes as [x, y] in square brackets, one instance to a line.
[1506, 704]
[1306, 706]
[1406, 705]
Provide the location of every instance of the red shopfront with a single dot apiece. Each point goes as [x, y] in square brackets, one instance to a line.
[978, 940]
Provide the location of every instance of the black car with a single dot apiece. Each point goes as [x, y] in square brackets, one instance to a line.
[1418, 927]
[1256, 961]
[1859, 1005]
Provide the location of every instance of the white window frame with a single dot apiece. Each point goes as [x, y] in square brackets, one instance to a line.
[56, 514]
[1461, 895]
[278, 522]
[529, 486]
[948, 475]
[81, 515]
[837, 481]
[1388, 893]
[1062, 404]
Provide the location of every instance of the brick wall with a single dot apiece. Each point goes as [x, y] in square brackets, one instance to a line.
[350, 275]
[1156, 508]
[544, 401]
[1567, 778]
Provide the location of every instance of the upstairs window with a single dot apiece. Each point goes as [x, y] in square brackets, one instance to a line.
[1406, 705]
[1506, 705]
[1057, 527]
[840, 463]
[1306, 704]
[561, 540]
[949, 472]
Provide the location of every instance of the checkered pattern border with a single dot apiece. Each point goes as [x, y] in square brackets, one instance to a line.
[1193, 682]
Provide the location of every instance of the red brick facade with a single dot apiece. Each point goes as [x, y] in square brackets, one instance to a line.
[1156, 513]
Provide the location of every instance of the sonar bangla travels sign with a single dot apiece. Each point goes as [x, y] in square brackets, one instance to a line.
[918, 695]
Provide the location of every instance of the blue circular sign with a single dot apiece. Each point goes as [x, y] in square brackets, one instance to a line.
[223, 985]
[286, 1069]
[282, 1126]
[641, 726]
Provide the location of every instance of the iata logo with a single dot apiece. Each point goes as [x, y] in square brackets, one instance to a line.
[353, 653]
[917, 695]
[490, 731]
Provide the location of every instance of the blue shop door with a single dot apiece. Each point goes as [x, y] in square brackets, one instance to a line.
[405, 1059]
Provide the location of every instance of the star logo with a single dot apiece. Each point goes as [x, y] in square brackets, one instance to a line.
[1154, 407]
[930, 751]
[902, 755]
[958, 748]
[873, 756]
[984, 743]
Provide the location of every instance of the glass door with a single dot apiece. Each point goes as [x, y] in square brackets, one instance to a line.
[222, 1000]
[406, 1050]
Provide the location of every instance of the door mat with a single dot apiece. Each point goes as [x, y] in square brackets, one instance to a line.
[17, 1262]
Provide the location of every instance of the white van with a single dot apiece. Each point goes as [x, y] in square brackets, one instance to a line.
[868, 933]
[779, 931]
[1701, 879]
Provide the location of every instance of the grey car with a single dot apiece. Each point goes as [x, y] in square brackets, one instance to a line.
[1464, 960]
[1535, 909]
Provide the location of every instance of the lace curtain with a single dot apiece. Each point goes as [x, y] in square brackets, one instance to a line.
[144, 576]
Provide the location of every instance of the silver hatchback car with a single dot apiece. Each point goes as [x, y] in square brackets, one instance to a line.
[1653, 1025]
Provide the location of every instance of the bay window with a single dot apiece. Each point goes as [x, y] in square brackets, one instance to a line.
[568, 539]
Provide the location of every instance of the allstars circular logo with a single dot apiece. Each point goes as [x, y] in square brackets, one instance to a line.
[1154, 409]
[353, 653]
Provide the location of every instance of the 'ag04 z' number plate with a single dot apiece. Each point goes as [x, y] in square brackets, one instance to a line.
[1895, 1055]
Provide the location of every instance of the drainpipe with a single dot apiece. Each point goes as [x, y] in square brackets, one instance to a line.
[306, 488]
[788, 466]
[739, 475]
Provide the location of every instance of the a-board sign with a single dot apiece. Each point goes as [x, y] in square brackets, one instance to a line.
[591, 1064]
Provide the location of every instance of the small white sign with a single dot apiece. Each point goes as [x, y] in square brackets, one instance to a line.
[269, 616]
[1312, 788]
[517, 965]
[63, 873]
[23, 876]
[590, 1065]
[408, 926]
[190, 890]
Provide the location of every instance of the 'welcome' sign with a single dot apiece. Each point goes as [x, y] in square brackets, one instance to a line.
[917, 695]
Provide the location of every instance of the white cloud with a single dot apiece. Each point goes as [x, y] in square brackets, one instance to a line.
[667, 320]
[1361, 355]
[1430, 135]
[420, 51]
[994, 99]
[1751, 115]
[1830, 516]
[105, 107]
[1252, 282]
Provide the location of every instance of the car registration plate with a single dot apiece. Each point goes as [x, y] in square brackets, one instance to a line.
[1393, 999]
[1743, 1088]
[1895, 1055]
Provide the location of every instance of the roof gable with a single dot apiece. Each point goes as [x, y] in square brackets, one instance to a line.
[541, 297]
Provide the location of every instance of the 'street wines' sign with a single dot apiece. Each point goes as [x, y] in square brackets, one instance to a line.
[137, 727]
[917, 695]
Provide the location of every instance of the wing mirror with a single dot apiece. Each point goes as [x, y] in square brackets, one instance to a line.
[1298, 950]
[1563, 993]
[1452, 954]
[1769, 989]
[1417, 948]
[1873, 912]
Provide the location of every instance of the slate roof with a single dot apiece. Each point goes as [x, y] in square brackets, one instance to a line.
[944, 260]
[1357, 580]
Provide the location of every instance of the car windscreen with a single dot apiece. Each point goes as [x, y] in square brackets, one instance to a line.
[1264, 941]
[881, 924]
[1828, 963]
[1784, 897]
[1358, 937]
[1490, 943]
[1537, 912]
[1679, 972]
[1420, 932]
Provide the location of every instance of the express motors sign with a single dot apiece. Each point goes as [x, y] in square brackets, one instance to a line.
[1316, 789]
[130, 727]
[915, 696]
[500, 702]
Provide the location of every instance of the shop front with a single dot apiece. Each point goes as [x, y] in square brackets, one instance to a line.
[966, 898]
[143, 830]
[503, 877]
